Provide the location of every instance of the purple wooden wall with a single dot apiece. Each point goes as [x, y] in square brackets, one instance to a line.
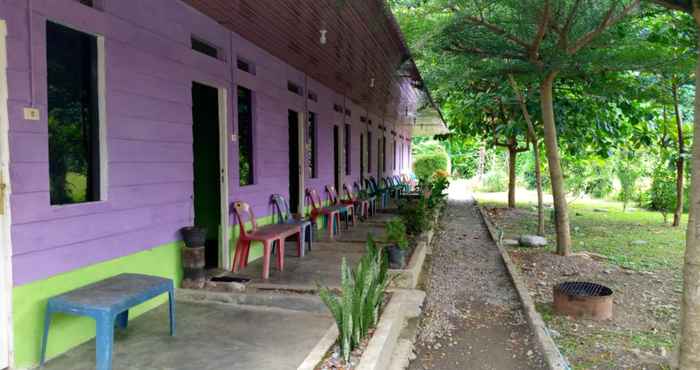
[150, 68]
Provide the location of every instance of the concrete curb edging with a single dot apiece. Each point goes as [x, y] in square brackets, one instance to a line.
[408, 277]
[404, 305]
[320, 349]
[555, 360]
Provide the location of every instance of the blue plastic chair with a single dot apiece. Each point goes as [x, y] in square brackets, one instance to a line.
[284, 216]
[108, 302]
[393, 189]
[375, 190]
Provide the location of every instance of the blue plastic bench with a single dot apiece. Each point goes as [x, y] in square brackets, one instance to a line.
[108, 302]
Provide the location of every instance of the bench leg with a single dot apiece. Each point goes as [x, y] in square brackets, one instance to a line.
[123, 320]
[104, 342]
[45, 338]
[171, 309]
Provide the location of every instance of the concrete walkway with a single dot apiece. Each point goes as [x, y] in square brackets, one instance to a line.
[472, 318]
[209, 336]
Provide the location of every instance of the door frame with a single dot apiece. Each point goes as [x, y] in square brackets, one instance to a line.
[302, 121]
[6, 343]
[337, 159]
[224, 234]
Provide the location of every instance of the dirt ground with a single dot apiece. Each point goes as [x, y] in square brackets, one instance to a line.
[472, 317]
[646, 306]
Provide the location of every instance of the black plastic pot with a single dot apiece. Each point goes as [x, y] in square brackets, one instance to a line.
[397, 257]
[194, 236]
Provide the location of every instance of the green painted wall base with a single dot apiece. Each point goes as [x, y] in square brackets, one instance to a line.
[29, 302]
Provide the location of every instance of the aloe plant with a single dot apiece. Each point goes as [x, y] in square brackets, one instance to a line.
[356, 309]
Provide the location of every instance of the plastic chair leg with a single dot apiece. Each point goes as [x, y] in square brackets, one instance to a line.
[247, 252]
[237, 256]
[280, 255]
[266, 260]
[330, 219]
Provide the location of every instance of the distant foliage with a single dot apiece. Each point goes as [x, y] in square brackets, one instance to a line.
[528, 172]
[591, 176]
[628, 172]
[494, 182]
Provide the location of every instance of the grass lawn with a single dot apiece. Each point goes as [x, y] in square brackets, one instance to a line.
[636, 239]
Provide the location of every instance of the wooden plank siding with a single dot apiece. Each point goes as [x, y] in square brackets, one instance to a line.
[150, 68]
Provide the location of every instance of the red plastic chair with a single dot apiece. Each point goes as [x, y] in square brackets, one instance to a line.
[346, 209]
[332, 214]
[267, 235]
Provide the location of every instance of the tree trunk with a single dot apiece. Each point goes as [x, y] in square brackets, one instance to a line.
[532, 136]
[689, 353]
[555, 173]
[538, 185]
[680, 161]
[512, 156]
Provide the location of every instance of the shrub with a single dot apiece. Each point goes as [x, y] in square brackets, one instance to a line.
[415, 215]
[396, 233]
[437, 190]
[356, 309]
[662, 194]
[426, 165]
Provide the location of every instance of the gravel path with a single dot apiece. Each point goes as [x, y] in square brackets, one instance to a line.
[472, 318]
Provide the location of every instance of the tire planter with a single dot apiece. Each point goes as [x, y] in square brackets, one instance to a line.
[194, 236]
[193, 257]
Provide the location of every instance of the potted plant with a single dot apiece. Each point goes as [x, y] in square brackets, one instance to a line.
[397, 243]
[194, 236]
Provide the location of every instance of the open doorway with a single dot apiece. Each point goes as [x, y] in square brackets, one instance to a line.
[207, 167]
[5, 242]
[294, 168]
